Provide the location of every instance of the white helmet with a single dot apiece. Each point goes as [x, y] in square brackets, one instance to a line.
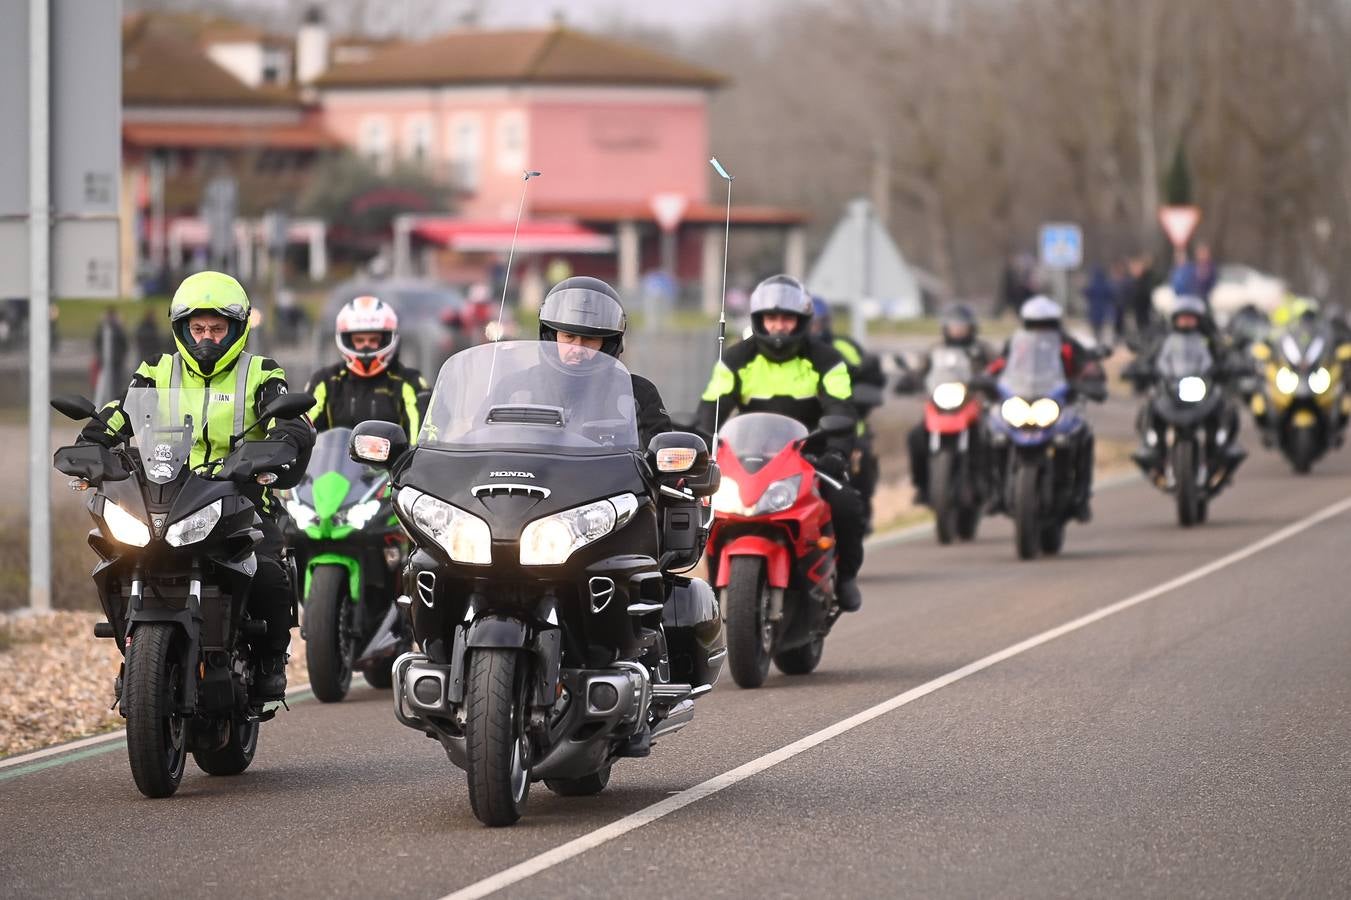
[1041, 311]
[367, 315]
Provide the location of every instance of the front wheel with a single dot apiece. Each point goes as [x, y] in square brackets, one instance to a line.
[1184, 478]
[801, 660]
[586, 786]
[1303, 449]
[1027, 511]
[943, 496]
[749, 632]
[237, 753]
[380, 674]
[328, 633]
[156, 733]
[498, 744]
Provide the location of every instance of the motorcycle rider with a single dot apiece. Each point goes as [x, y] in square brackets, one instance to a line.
[209, 319]
[371, 382]
[781, 370]
[1084, 375]
[961, 330]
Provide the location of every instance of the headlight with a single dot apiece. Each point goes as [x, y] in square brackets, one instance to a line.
[949, 395]
[1044, 412]
[728, 499]
[362, 513]
[1016, 411]
[1287, 381]
[778, 496]
[1320, 380]
[1191, 389]
[464, 536]
[551, 540]
[123, 526]
[194, 527]
[303, 516]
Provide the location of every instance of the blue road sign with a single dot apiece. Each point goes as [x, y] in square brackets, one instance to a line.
[1061, 245]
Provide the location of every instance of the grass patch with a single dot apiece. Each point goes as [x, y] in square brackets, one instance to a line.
[72, 561]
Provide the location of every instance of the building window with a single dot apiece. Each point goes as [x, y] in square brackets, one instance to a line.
[276, 66]
[374, 142]
[466, 150]
[417, 140]
[511, 142]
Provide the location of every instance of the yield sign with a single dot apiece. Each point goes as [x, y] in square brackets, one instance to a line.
[1179, 222]
[669, 207]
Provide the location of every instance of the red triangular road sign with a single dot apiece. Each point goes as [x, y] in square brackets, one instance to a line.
[1179, 222]
[669, 208]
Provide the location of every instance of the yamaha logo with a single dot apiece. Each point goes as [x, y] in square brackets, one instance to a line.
[511, 474]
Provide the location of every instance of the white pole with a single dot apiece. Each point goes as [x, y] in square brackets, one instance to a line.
[39, 317]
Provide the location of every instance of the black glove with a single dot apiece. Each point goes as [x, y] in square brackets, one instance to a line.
[97, 433]
[833, 463]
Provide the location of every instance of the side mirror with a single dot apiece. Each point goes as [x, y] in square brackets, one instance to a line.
[287, 406]
[835, 426]
[73, 406]
[378, 444]
[678, 453]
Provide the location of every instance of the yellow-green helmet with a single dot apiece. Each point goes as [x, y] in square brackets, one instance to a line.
[217, 293]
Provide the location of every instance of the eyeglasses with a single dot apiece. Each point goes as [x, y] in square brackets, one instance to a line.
[215, 331]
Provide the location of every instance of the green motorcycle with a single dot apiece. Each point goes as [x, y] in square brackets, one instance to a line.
[349, 548]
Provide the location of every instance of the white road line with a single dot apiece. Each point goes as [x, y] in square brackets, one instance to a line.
[620, 827]
[118, 735]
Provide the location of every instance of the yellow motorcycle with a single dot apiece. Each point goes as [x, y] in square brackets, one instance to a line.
[1301, 405]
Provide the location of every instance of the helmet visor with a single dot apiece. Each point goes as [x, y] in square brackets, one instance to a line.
[237, 311]
[784, 298]
[582, 311]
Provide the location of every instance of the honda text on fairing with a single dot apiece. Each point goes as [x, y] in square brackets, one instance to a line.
[1304, 406]
[349, 548]
[1188, 427]
[555, 637]
[772, 547]
[1037, 435]
[176, 561]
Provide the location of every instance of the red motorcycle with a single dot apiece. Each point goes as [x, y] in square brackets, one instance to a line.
[953, 417]
[772, 546]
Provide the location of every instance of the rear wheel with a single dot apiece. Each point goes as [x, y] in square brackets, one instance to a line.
[942, 496]
[497, 741]
[156, 734]
[801, 660]
[237, 753]
[1303, 449]
[1184, 479]
[1027, 511]
[749, 633]
[329, 642]
[586, 786]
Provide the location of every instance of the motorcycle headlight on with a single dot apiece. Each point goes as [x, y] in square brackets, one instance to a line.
[551, 540]
[949, 395]
[301, 514]
[361, 514]
[728, 499]
[779, 496]
[464, 536]
[124, 527]
[1191, 389]
[1044, 412]
[1016, 411]
[1320, 380]
[1287, 380]
[194, 527]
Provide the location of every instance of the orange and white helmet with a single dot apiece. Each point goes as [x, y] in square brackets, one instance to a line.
[368, 315]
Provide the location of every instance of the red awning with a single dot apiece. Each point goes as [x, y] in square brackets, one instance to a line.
[696, 213]
[536, 236]
[300, 136]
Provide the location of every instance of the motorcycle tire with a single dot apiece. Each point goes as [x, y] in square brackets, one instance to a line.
[236, 755]
[586, 786]
[1053, 539]
[380, 674]
[801, 660]
[497, 737]
[1184, 479]
[1303, 448]
[968, 522]
[156, 736]
[329, 643]
[1027, 511]
[749, 638]
[943, 496]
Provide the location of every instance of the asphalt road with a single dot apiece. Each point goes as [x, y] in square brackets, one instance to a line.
[1196, 741]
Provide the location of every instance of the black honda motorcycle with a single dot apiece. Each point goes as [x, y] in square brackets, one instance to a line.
[555, 637]
[176, 559]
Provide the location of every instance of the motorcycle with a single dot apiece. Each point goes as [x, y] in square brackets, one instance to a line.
[556, 637]
[773, 546]
[1038, 435]
[349, 547]
[1303, 406]
[1188, 426]
[953, 419]
[176, 561]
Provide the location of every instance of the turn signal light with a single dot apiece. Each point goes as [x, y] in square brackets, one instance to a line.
[675, 459]
[825, 543]
[371, 448]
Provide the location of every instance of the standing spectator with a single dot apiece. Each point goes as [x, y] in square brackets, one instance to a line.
[1195, 277]
[1016, 285]
[1121, 286]
[149, 342]
[1140, 295]
[1102, 305]
[110, 357]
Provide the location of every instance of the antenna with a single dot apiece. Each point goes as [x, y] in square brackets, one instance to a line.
[511, 252]
[722, 304]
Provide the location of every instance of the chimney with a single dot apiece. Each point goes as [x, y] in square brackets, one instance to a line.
[311, 47]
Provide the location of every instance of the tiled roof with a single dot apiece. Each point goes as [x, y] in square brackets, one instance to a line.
[550, 56]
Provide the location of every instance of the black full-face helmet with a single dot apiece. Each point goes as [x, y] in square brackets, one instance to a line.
[782, 294]
[959, 325]
[586, 306]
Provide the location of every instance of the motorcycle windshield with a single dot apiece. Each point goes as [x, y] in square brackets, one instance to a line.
[1034, 367]
[532, 396]
[1182, 355]
[333, 478]
[756, 438]
[1303, 347]
[946, 366]
[163, 423]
